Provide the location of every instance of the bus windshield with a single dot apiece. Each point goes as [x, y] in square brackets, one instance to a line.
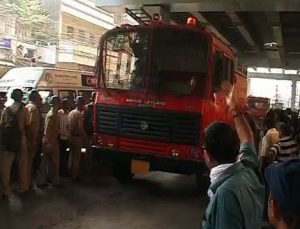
[178, 61]
[124, 58]
[259, 105]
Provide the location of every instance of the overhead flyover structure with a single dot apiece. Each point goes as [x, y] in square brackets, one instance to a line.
[263, 33]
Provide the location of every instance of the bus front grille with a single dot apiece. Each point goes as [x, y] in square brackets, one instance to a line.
[149, 124]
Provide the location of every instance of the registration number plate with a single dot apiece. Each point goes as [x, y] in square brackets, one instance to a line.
[139, 167]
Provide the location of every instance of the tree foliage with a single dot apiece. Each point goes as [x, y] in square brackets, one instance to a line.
[31, 12]
[31, 15]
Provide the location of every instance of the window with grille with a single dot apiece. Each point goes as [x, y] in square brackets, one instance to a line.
[81, 35]
[92, 40]
[70, 32]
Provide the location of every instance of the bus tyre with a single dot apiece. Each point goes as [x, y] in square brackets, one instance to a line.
[122, 171]
[202, 182]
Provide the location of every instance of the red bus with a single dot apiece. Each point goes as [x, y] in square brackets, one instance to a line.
[258, 106]
[159, 89]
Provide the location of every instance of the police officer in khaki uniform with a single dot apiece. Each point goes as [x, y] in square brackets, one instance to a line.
[33, 123]
[14, 144]
[50, 154]
[3, 100]
[63, 141]
[77, 135]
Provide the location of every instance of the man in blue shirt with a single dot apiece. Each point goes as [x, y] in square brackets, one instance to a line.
[284, 202]
[236, 192]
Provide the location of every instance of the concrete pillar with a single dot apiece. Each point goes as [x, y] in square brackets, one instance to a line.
[293, 96]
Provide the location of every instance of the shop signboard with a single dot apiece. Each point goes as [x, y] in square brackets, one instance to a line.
[5, 43]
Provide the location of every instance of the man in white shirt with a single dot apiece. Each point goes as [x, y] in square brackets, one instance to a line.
[266, 158]
[271, 138]
[63, 137]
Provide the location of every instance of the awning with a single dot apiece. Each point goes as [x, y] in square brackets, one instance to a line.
[5, 63]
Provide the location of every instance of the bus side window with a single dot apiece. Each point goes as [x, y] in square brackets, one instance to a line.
[67, 94]
[86, 95]
[223, 71]
[228, 69]
[218, 72]
[45, 107]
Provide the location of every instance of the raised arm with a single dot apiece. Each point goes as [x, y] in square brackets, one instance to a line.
[241, 124]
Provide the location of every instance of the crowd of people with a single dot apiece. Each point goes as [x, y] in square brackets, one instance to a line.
[44, 148]
[247, 187]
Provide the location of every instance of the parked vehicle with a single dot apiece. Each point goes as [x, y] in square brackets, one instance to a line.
[49, 81]
[258, 106]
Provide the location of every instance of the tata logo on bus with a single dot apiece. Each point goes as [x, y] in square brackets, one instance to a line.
[89, 81]
[144, 125]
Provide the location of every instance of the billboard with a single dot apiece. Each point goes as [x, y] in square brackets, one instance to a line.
[46, 54]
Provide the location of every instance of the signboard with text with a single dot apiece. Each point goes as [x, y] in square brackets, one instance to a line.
[61, 78]
[5, 43]
[89, 81]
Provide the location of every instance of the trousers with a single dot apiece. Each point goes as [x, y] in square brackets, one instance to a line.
[64, 156]
[76, 143]
[32, 154]
[49, 159]
[22, 161]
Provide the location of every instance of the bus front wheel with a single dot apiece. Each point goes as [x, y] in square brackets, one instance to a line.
[122, 170]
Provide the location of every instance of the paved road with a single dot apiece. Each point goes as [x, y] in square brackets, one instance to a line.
[157, 201]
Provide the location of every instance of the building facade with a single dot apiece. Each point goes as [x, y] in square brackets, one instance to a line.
[76, 28]
[79, 27]
[18, 47]
[7, 33]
